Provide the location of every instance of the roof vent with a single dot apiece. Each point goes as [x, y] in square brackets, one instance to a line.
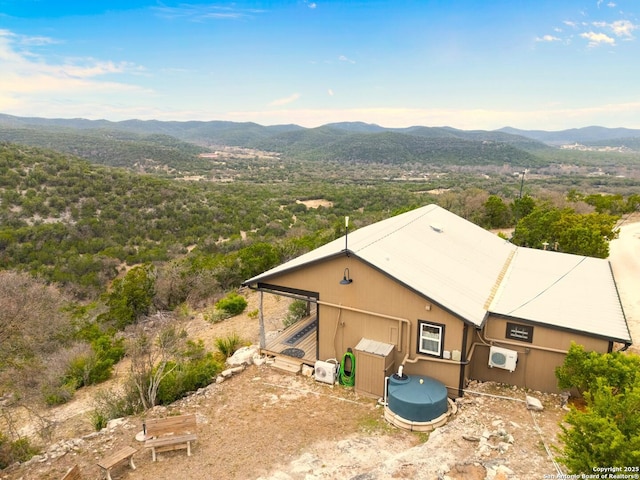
[437, 227]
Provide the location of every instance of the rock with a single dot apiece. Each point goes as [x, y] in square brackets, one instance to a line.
[243, 356]
[229, 372]
[471, 438]
[111, 424]
[307, 371]
[503, 447]
[534, 404]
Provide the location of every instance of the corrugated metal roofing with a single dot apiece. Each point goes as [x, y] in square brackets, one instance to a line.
[562, 290]
[471, 271]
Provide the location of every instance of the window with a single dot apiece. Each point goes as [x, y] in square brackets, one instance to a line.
[522, 333]
[430, 338]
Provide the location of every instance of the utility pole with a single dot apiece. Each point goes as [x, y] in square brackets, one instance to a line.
[522, 182]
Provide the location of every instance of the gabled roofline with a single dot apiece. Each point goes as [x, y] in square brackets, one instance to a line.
[263, 277]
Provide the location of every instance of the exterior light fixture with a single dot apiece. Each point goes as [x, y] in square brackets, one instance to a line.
[346, 279]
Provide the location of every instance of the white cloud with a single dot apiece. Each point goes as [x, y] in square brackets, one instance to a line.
[28, 79]
[199, 13]
[597, 39]
[330, 92]
[312, 5]
[284, 101]
[343, 58]
[547, 38]
[623, 28]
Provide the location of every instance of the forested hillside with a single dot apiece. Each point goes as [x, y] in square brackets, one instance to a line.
[174, 149]
[75, 223]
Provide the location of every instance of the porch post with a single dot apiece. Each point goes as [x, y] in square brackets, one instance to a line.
[263, 340]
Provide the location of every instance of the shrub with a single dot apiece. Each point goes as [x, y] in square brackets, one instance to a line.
[187, 376]
[297, 311]
[233, 304]
[229, 344]
[605, 432]
[109, 404]
[58, 394]
[12, 451]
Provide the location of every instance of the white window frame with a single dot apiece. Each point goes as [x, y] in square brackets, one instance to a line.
[436, 330]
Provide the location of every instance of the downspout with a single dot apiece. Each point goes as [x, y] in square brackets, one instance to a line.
[465, 331]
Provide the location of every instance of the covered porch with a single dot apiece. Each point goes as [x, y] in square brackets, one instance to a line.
[299, 342]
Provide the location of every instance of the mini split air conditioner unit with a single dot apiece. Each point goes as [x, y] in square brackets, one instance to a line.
[326, 372]
[503, 358]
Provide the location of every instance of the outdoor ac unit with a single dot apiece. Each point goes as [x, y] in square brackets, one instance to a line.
[325, 372]
[503, 358]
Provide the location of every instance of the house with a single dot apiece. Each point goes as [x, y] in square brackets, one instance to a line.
[442, 297]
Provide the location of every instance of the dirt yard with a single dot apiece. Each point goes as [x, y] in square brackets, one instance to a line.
[272, 425]
[266, 424]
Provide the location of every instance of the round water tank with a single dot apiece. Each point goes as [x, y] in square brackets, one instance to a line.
[417, 398]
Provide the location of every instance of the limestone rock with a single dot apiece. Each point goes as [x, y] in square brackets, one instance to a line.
[534, 404]
[243, 356]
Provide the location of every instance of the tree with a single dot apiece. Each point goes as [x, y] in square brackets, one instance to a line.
[152, 360]
[496, 213]
[131, 296]
[32, 320]
[566, 231]
[521, 207]
[605, 432]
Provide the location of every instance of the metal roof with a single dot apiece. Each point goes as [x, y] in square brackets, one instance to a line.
[471, 271]
[563, 291]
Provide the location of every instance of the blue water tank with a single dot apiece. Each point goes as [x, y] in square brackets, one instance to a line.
[416, 398]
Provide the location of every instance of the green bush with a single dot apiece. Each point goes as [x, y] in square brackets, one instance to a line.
[605, 432]
[114, 403]
[12, 451]
[229, 344]
[297, 311]
[233, 304]
[187, 376]
[58, 394]
[97, 366]
[582, 370]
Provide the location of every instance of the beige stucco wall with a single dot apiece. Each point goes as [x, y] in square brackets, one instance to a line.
[377, 297]
[376, 307]
[536, 361]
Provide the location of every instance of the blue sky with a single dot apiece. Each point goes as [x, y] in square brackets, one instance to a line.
[543, 64]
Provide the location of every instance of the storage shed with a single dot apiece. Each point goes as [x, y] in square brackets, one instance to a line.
[374, 363]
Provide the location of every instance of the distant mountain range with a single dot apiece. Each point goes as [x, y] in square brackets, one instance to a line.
[343, 142]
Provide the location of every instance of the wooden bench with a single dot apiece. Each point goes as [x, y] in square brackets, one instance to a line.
[72, 474]
[171, 433]
[110, 461]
